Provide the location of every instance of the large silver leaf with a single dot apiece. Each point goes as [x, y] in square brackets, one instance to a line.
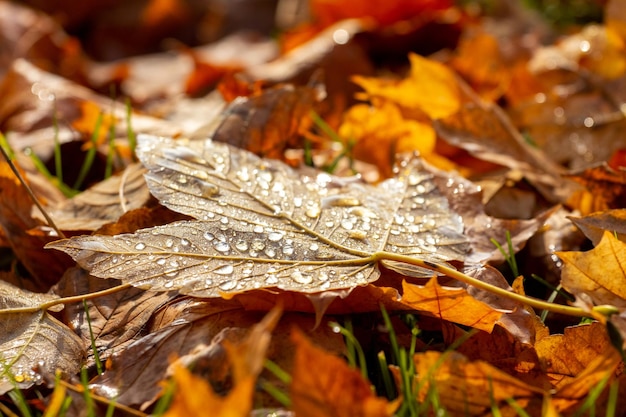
[262, 224]
[33, 344]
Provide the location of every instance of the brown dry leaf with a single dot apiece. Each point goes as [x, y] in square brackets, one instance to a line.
[33, 344]
[115, 320]
[597, 275]
[261, 225]
[469, 387]
[430, 89]
[332, 388]
[194, 396]
[565, 356]
[104, 202]
[451, 304]
[594, 225]
[486, 132]
[604, 189]
[269, 122]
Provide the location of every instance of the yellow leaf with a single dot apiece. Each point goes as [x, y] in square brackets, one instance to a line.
[431, 88]
[88, 122]
[381, 132]
[468, 388]
[599, 273]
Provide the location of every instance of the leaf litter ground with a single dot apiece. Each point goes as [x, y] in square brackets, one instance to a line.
[254, 232]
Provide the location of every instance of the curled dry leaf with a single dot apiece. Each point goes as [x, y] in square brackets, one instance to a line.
[594, 225]
[333, 389]
[103, 203]
[262, 224]
[33, 344]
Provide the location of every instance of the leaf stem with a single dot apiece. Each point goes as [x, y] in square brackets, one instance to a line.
[65, 300]
[599, 313]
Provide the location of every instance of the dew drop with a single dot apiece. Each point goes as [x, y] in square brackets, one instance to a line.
[313, 212]
[314, 246]
[241, 245]
[271, 279]
[358, 234]
[228, 285]
[347, 224]
[115, 260]
[270, 252]
[301, 278]
[225, 270]
[140, 246]
[174, 264]
[208, 236]
[161, 261]
[170, 274]
[222, 246]
[257, 245]
[288, 249]
[297, 202]
[274, 236]
[169, 243]
[330, 224]
[243, 175]
[181, 179]
[208, 282]
[258, 229]
[184, 242]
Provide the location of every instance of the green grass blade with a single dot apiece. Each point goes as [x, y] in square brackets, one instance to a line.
[91, 154]
[99, 367]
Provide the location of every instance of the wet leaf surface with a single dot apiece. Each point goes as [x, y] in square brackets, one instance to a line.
[261, 224]
[33, 345]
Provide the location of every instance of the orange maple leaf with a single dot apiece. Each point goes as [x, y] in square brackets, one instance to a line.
[332, 388]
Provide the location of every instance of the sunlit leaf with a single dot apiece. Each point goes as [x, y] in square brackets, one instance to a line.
[594, 225]
[33, 344]
[332, 388]
[261, 224]
[597, 275]
[430, 88]
[452, 304]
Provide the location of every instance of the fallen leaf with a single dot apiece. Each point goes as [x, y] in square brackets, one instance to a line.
[430, 89]
[468, 387]
[104, 202]
[115, 320]
[193, 396]
[286, 237]
[594, 225]
[333, 388]
[597, 275]
[33, 344]
[269, 122]
[451, 304]
[603, 189]
[567, 355]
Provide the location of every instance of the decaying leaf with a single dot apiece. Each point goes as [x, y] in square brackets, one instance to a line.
[33, 344]
[115, 320]
[194, 396]
[594, 225]
[332, 388]
[261, 224]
